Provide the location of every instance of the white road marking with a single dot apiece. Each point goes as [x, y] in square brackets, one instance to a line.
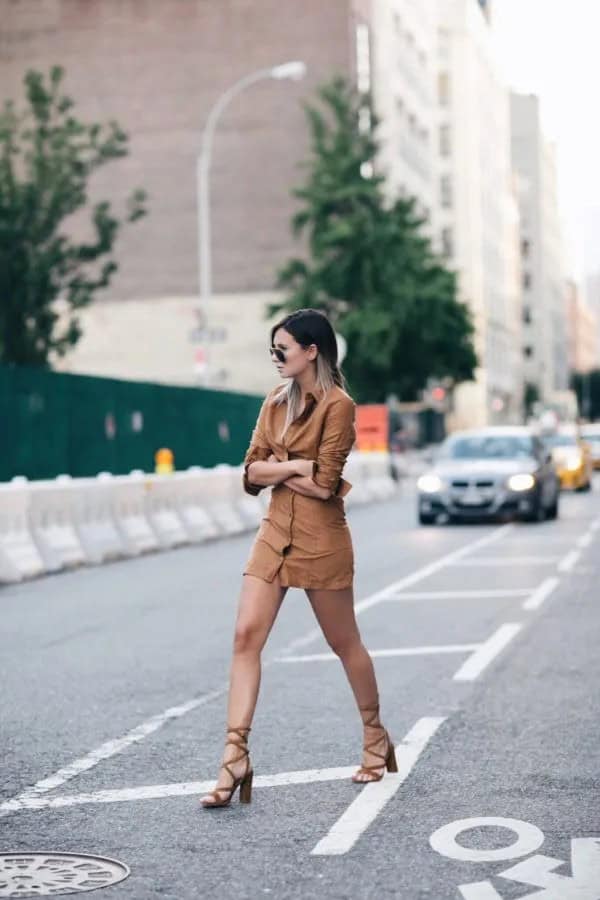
[459, 595]
[586, 539]
[569, 560]
[373, 797]
[419, 575]
[182, 789]
[479, 890]
[110, 748]
[507, 561]
[113, 747]
[393, 651]
[529, 838]
[541, 593]
[486, 652]
[539, 871]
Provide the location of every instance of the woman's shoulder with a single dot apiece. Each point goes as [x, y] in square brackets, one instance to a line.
[338, 395]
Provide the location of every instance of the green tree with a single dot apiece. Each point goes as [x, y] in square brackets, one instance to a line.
[47, 157]
[587, 389]
[369, 265]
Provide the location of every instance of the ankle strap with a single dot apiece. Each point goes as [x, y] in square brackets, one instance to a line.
[242, 731]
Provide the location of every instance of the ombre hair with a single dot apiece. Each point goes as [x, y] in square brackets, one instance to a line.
[309, 326]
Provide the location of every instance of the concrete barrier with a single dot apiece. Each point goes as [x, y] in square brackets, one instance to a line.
[46, 526]
[192, 506]
[53, 509]
[162, 510]
[129, 511]
[222, 487]
[19, 555]
[378, 475]
[95, 523]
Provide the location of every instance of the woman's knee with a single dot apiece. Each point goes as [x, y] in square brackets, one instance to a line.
[248, 637]
[344, 645]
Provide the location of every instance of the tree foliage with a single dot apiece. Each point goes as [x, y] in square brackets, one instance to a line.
[47, 157]
[587, 389]
[369, 264]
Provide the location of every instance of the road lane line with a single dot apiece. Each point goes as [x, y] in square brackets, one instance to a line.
[110, 748]
[388, 652]
[113, 747]
[459, 595]
[182, 789]
[586, 539]
[373, 797]
[409, 580]
[486, 652]
[568, 561]
[507, 561]
[541, 593]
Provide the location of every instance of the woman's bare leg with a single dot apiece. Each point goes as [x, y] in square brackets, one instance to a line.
[257, 610]
[335, 614]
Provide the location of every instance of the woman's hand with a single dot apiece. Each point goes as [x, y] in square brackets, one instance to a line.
[304, 467]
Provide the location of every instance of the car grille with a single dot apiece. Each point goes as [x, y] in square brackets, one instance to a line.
[461, 488]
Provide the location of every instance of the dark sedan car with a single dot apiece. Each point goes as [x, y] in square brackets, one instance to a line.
[490, 473]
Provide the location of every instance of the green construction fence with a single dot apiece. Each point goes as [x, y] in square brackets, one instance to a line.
[54, 423]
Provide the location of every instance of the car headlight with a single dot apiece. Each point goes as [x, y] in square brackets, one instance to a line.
[572, 463]
[522, 482]
[430, 484]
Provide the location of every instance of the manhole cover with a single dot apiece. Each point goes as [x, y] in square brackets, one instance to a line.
[43, 874]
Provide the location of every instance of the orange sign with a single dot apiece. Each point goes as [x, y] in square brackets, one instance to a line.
[372, 426]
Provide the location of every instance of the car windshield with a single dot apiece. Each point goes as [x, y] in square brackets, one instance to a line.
[487, 447]
[560, 440]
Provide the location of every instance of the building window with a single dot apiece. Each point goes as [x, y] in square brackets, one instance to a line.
[526, 280]
[527, 315]
[525, 248]
[446, 191]
[528, 352]
[447, 242]
[397, 23]
[444, 140]
[444, 88]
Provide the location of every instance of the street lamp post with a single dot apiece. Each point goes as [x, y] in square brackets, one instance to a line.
[294, 70]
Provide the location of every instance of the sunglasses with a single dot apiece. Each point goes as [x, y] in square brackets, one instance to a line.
[277, 353]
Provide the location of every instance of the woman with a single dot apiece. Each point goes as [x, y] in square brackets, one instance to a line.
[303, 435]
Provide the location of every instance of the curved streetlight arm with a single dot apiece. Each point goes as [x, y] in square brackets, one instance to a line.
[294, 70]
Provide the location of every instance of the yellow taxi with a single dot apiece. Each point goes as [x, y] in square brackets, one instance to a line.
[572, 458]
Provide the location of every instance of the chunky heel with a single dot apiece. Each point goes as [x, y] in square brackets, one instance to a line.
[222, 796]
[388, 759]
[246, 788]
[391, 762]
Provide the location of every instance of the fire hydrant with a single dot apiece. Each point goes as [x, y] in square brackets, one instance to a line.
[163, 461]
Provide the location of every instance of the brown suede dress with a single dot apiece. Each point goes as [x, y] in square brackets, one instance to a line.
[304, 540]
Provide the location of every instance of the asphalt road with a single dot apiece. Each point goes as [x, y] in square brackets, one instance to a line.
[486, 642]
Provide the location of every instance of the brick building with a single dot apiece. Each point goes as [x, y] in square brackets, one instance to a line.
[157, 68]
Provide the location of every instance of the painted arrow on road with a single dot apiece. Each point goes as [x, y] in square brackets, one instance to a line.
[538, 871]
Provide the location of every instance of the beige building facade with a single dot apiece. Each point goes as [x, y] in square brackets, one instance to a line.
[477, 212]
[582, 331]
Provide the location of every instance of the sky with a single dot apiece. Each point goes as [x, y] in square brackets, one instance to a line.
[551, 48]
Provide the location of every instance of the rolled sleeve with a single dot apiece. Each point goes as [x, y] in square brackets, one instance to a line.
[258, 450]
[337, 440]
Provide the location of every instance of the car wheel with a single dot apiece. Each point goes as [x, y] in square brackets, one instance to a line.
[426, 519]
[537, 513]
[552, 511]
